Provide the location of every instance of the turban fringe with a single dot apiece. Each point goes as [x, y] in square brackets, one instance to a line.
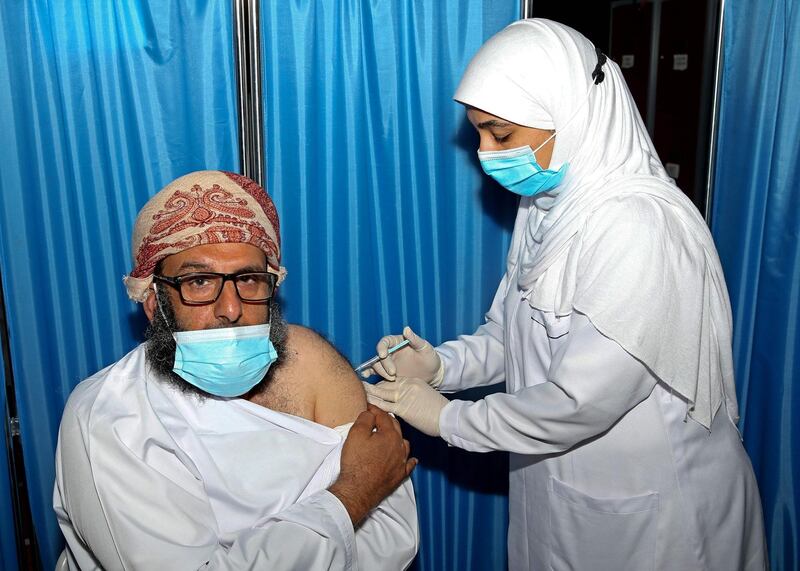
[203, 207]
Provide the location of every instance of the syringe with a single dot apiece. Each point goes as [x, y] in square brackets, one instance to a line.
[369, 362]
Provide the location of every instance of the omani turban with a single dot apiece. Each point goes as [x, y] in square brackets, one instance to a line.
[203, 207]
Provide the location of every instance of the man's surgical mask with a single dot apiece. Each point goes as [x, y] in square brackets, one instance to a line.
[518, 171]
[225, 362]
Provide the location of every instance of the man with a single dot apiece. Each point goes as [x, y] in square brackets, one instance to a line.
[219, 443]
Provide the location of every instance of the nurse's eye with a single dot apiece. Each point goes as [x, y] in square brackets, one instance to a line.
[501, 138]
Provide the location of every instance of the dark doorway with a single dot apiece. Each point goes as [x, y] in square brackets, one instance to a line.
[667, 50]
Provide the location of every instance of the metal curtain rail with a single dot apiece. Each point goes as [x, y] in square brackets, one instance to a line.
[247, 53]
[712, 146]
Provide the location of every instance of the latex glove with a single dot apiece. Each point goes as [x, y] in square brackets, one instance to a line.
[418, 360]
[411, 399]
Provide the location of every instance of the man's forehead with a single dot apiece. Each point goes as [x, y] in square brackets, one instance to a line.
[225, 258]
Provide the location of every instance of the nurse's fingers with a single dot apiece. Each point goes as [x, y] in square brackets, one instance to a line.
[415, 341]
[378, 369]
[386, 391]
[386, 368]
[382, 404]
[386, 343]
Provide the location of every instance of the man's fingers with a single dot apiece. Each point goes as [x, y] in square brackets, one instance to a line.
[381, 414]
[365, 422]
[396, 425]
[375, 410]
[387, 422]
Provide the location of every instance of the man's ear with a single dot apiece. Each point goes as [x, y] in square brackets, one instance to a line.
[149, 304]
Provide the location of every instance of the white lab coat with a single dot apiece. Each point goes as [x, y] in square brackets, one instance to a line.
[607, 471]
[150, 478]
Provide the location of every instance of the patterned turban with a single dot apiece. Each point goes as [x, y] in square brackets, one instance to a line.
[203, 207]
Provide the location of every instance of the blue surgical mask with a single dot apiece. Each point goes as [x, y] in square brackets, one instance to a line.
[224, 362]
[518, 171]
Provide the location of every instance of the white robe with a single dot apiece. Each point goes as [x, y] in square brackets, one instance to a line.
[150, 478]
[607, 471]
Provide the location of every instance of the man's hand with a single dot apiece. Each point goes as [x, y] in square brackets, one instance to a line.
[374, 462]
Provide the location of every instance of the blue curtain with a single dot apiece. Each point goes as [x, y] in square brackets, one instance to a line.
[102, 104]
[756, 224]
[385, 219]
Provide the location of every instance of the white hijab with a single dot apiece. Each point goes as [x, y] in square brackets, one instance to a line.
[537, 73]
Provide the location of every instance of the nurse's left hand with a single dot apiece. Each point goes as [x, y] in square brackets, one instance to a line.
[411, 399]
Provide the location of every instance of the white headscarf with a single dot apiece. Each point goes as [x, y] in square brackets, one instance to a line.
[537, 73]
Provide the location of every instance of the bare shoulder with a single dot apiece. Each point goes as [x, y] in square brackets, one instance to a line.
[325, 375]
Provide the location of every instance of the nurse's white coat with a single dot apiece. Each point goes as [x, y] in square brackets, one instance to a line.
[607, 471]
[612, 332]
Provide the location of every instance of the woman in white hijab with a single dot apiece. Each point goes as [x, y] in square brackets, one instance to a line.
[611, 329]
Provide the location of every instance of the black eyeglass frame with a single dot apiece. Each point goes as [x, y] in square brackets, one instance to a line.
[176, 282]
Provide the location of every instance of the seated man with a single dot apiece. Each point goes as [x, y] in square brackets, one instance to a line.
[222, 441]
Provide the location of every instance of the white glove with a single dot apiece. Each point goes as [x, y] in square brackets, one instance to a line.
[413, 400]
[418, 360]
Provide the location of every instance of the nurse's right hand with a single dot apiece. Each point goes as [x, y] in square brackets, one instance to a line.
[418, 359]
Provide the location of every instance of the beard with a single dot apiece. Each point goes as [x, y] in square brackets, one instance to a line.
[160, 346]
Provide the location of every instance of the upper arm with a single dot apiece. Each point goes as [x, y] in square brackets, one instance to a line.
[335, 388]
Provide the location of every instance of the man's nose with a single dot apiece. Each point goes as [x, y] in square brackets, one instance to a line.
[228, 305]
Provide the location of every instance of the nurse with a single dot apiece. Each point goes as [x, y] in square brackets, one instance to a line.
[611, 329]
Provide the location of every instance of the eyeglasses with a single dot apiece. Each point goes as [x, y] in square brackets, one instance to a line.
[202, 288]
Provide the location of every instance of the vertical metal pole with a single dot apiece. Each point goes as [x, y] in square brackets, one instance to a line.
[247, 50]
[652, 82]
[526, 9]
[712, 146]
[24, 531]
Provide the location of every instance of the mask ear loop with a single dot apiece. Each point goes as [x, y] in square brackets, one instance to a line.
[598, 75]
[158, 303]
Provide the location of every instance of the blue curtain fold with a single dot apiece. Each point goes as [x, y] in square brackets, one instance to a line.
[102, 104]
[756, 224]
[386, 217]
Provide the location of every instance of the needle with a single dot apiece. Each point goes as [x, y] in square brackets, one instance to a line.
[368, 363]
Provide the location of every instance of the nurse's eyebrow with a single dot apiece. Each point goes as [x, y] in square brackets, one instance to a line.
[493, 123]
